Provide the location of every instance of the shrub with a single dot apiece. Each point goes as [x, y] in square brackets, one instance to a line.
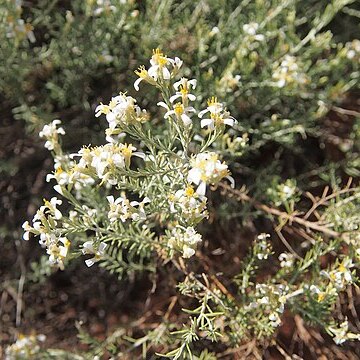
[265, 138]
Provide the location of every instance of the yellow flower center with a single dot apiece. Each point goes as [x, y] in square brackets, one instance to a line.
[141, 72]
[201, 164]
[179, 109]
[159, 58]
[28, 28]
[321, 297]
[212, 101]
[184, 90]
[218, 120]
[126, 151]
[189, 191]
[67, 243]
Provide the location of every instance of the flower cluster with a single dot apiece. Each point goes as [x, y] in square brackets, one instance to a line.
[124, 209]
[51, 133]
[218, 116]
[101, 162]
[251, 30]
[90, 249]
[190, 204]
[282, 193]
[184, 240]
[206, 168]
[122, 110]
[341, 333]
[286, 260]
[288, 72]
[271, 299]
[341, 274]
[174, 179]
[25, 347]
[16, 27]
[45, 225]
[262, 246]
[159, 70]
[338, 278]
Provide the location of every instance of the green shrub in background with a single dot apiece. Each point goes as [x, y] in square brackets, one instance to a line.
[276, 64]
[279, 67]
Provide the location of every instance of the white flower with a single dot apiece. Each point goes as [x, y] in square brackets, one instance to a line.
[158, 65]
[122, 109]
[286, 260]
[184, 240]
[288, 72]
[341, 275]
[214, 31]
[57, 253]
[158, 69]
[143, 74]
[104, 6]
[99, 252]
[62, 177]
[123, 209]
[191, 236]
[275, 320]
[117, 209]
[207, 169]
[26, 226]
[51, 129]
[217, 117]
[182, 88]
[51, 132]
[189, 203]
[188, 252]
[104, 157]
[52, 207]
[177, 63]
[341, 334]
[321, 295]
[251, 30]
[180, 112]
[127, 152]
[214, 107]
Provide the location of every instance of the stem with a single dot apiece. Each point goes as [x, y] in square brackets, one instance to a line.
[241, 196]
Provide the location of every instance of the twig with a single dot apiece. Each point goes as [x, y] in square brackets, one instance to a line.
[19, 297]
[352, 307]
[302, 233]
[241, 196]
[285, 242]
[171, 306]
[345, 111]
[324, 197]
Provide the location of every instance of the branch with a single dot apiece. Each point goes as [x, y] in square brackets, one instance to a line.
[292, 218]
